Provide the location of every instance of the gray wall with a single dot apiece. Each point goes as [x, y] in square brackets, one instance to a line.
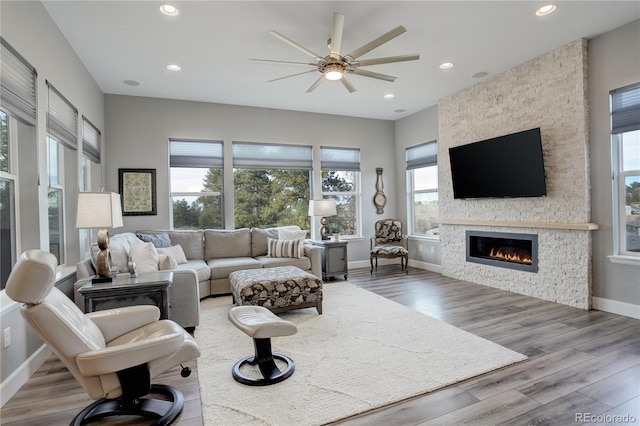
[139, 130]
[614, 62]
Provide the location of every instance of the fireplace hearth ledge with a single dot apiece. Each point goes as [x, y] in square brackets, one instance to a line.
[589, 226]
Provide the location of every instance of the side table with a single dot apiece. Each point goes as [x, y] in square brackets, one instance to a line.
[334, 258]
[150, 288]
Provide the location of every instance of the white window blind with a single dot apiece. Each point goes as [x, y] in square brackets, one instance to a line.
[195, 153]
[90, 140]
[422, 155]
[62, 119]
[339, 158]
[625, 109]
[17, 84]
[249, 155]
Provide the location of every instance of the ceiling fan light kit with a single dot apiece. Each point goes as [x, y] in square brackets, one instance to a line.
[335, 66]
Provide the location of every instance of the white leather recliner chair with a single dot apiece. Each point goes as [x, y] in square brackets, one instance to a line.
[113, 354]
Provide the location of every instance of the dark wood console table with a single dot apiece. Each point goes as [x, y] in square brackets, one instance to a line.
[150, 288]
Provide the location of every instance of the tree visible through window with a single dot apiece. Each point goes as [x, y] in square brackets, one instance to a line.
[271, 197]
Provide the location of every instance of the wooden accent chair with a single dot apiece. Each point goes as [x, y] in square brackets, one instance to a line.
[388, 242]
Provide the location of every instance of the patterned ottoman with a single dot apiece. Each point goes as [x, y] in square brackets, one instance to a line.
[279, 289]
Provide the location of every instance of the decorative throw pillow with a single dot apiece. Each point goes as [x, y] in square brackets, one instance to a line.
[174, 251]
[166, 262]
[293, 234]
[144, 255]
[158, 240]
[283, 248]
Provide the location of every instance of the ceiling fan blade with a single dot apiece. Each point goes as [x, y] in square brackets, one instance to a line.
[316, 83]
[346, 83]
[296, 45]
[377, 42]
[284, 62]
[336, 35]
[387, 60]
[372, 74]
[292, 75]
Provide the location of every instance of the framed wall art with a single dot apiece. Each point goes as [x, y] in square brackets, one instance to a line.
[138, 191]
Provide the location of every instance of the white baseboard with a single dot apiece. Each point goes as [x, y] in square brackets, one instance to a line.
[18, 378]
[412, 263]
[616, 307]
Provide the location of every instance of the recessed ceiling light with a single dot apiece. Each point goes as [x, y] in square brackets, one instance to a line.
[545, 10]
[169, 9]
[389, 96]
[446, 65]
[174, 67]
[131, 83]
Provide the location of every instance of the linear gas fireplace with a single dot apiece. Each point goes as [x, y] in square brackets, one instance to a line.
[503, 249]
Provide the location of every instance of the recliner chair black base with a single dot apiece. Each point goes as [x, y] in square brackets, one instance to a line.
[165, 412]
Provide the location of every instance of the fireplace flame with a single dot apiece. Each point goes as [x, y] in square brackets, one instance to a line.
[500, 254]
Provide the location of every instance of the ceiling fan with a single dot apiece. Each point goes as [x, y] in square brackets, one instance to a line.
[335, 66]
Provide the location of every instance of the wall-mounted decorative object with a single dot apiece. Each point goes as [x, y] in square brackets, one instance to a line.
[379, 199]
[138, 191]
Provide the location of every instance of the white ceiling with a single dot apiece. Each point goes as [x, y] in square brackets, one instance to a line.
[213, 41]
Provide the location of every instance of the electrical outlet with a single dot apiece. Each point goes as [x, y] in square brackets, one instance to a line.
[6, 338]
[420, 248]
[432, 250]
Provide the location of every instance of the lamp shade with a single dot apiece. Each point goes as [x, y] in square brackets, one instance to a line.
[322, 207]
[98, 210]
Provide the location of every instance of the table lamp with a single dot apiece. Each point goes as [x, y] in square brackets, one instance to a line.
[100, 210]
[323, 208]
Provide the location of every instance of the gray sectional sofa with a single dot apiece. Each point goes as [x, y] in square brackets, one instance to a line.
[215, 253]
[203, 262]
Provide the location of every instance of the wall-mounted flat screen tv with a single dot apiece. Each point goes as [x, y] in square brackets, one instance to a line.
[503, 167]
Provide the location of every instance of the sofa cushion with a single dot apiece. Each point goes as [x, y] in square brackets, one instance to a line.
[303, 263]
[200, 267]
[222, 267]
[284, 248]
[166, 262]
[161, 239]
[221, 243]
[192, 242]
[259, 240]
[144, 255]
[176, 252]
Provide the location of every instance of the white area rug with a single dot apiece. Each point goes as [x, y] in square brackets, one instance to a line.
[362, 353]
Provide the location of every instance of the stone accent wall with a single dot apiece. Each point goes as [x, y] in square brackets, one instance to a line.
[549, 92]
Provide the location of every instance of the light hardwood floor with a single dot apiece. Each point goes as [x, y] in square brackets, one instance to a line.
[581, 363]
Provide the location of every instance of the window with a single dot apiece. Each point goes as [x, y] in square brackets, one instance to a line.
[625, 130]
[17, 110]
[90, 166]
[341, 181]
[196, 183]
[422, 188]
[62, 140]
[8, 199]
[271, 184]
